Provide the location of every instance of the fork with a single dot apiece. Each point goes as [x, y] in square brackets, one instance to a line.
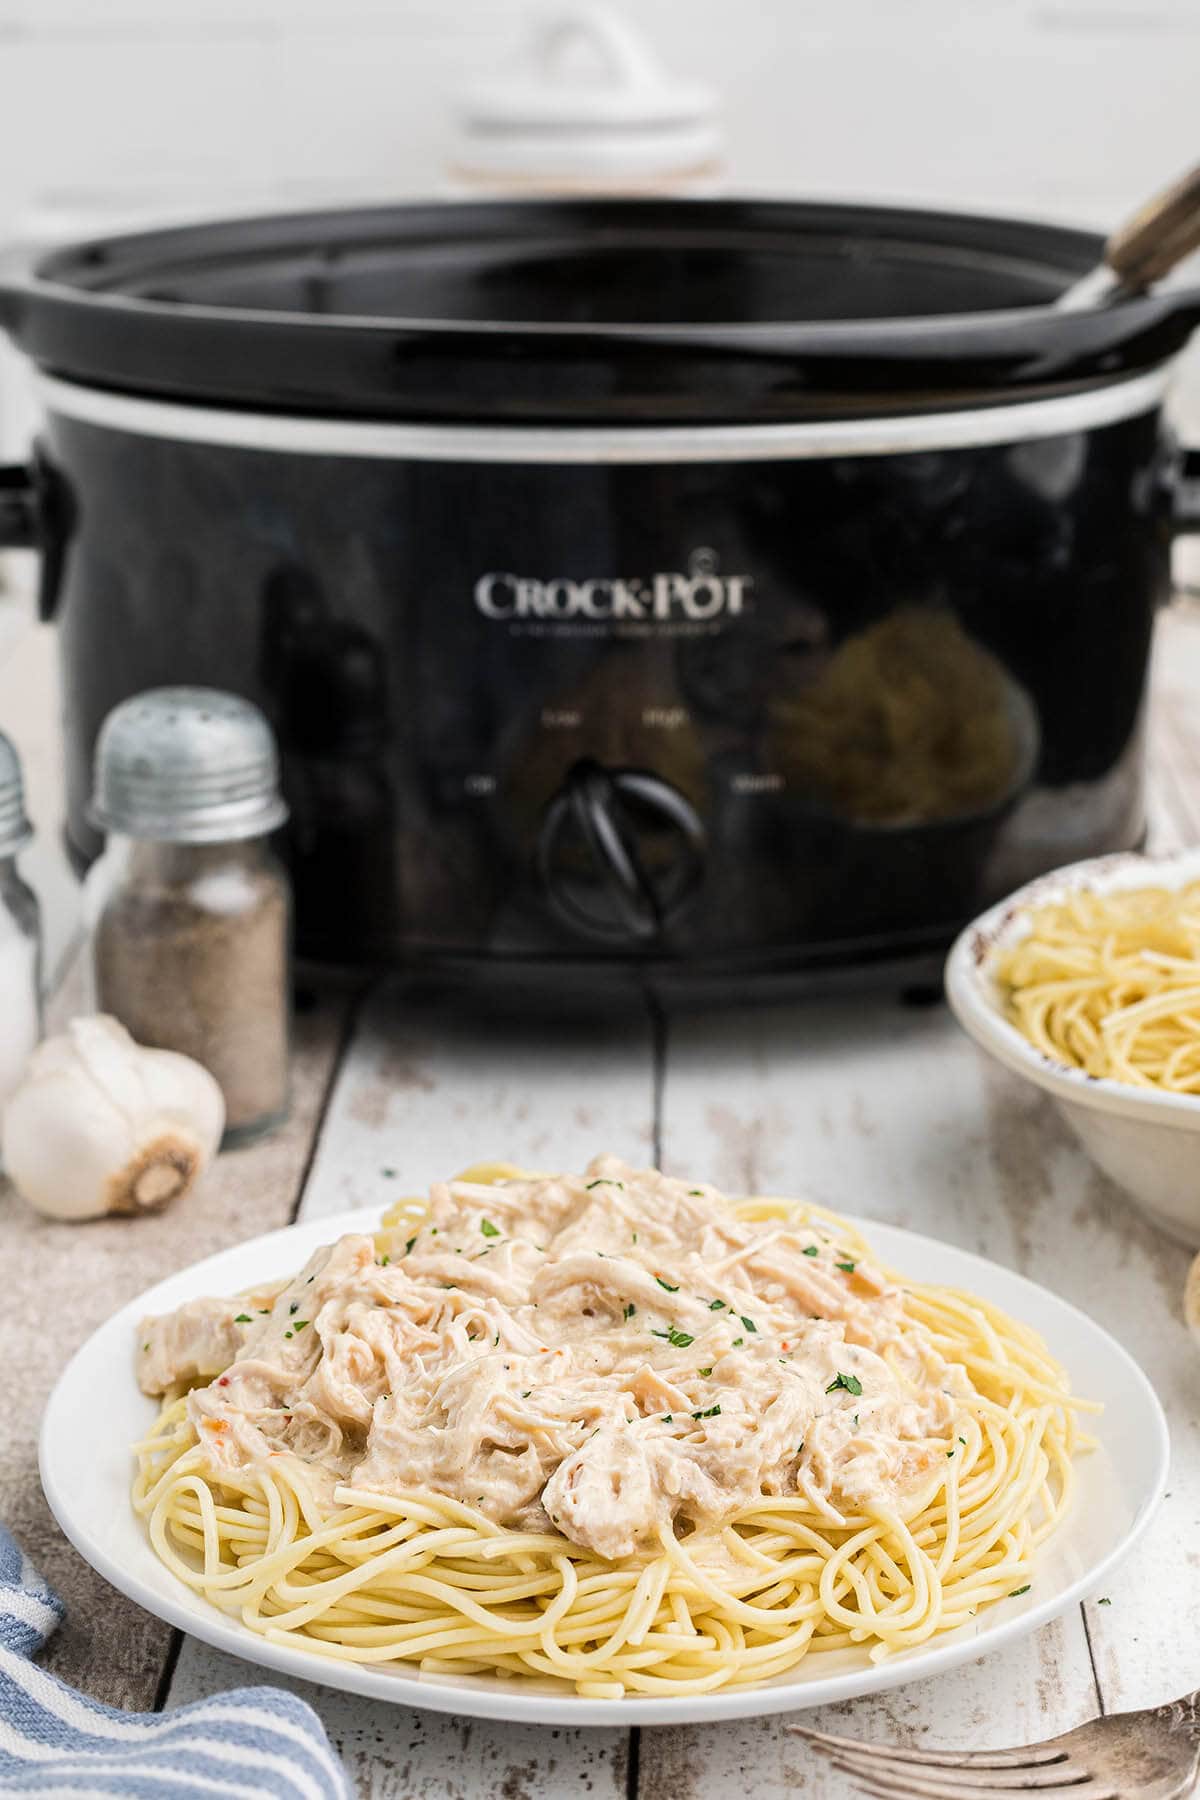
[1148, 1755]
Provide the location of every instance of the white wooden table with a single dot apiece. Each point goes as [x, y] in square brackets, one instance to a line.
[869, 1105]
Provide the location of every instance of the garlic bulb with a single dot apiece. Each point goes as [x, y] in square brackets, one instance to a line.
[100, 1125]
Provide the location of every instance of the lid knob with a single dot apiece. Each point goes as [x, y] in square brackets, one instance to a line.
[187, 765]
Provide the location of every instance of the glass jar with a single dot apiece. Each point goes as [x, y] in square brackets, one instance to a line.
[20, 932]
[189, 909]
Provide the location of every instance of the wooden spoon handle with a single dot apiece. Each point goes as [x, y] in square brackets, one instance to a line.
[1159, 235]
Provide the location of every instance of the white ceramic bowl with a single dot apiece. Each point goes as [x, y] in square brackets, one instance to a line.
[1148, 1142]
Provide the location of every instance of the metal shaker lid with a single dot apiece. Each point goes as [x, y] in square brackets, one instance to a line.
[187, 765]
[15, 829]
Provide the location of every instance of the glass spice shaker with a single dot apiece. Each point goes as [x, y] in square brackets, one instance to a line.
[188, 908]
[20, 932]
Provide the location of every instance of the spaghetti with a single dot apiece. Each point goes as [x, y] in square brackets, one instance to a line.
[1110, 983]
[773, 1510]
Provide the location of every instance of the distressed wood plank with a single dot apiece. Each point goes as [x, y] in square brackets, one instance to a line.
[764, 1759]
[62, 1281]
[1174, 734]
[432, 1084]
[1146, 1638]
[397, 1752]
[428, 1087]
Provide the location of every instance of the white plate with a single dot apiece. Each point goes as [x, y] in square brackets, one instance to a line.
[96, 1412]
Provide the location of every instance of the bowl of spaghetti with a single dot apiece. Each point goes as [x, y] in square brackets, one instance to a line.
[1087, 983]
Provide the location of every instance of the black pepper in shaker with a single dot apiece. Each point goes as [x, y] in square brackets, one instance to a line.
[189, 909]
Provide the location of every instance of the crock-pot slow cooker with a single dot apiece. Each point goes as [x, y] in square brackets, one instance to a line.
[712, 587]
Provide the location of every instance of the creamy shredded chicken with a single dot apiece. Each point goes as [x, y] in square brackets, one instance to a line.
[599, 1354]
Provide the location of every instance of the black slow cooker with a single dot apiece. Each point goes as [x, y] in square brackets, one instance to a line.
[705, 587]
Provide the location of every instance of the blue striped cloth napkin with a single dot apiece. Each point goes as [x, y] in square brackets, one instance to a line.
[59, 1745]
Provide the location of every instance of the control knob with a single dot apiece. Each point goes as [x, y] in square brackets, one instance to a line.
[619, 853]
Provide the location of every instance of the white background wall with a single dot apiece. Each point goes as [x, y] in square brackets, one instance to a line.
[1067, 107]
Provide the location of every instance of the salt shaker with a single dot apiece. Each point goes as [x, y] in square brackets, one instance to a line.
[20, 932]
[189, 909]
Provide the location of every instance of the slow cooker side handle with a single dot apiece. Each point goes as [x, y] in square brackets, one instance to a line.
[34, 515]
[18, 508]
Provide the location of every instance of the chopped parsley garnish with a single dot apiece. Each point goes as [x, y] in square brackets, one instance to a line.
[716, 1306]
[678, 1339]
[963, 1442]
[496, 1339]
[488, 1229]
[287, 1334]
[410, 1242]
[604, 1181]
[707, 1371]
[630, 1310]
[635, 1237]
[240, 1319]
[527, 1393]
[300, 1324]
[667, 1285]
[388, 1174]
[748, 1323]
[709, 1412]
[1018, 1591]
[847, 1268]
[851, 1383]
[1104, 1600]
[949, 1454]
[697, 1192]
[667, 1419]
[294, 1307]
[812, 1249]
[263, 1311]
[384, 1261]
[800, 1448]
[738, 1342]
